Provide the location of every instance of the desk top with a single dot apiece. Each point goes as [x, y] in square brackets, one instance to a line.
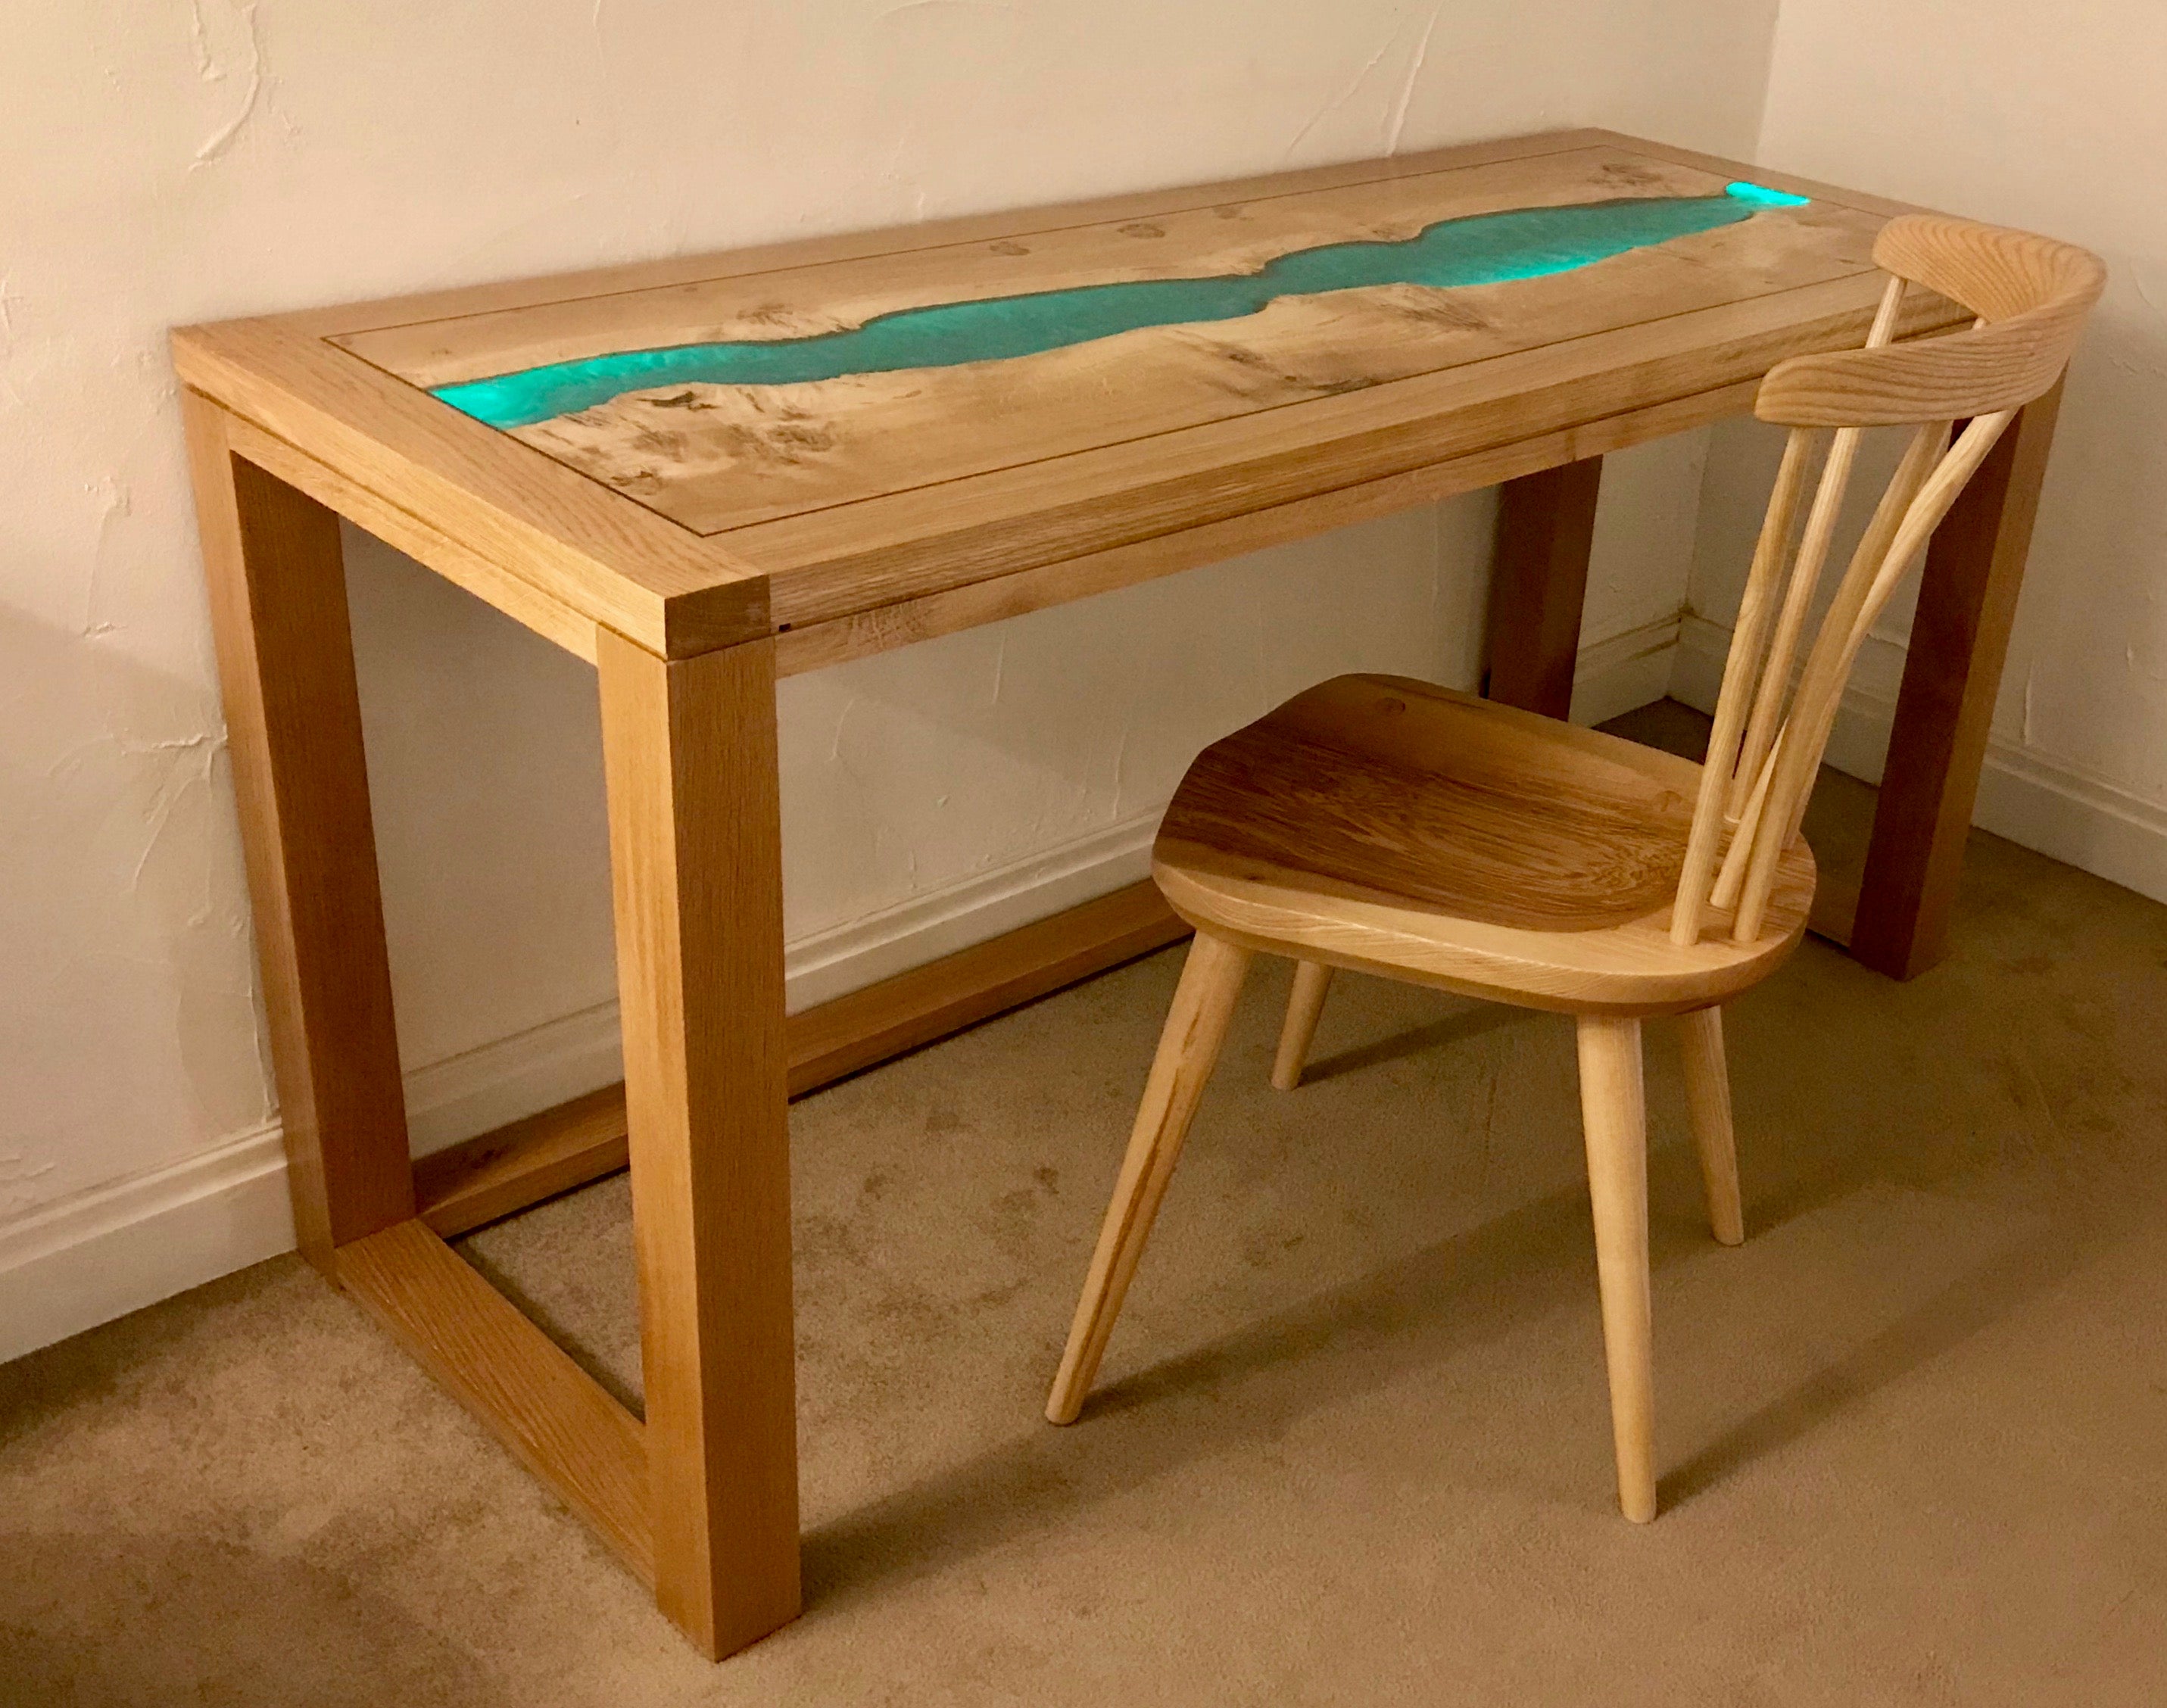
[699, 451]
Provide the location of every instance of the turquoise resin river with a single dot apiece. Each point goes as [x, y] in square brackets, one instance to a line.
[1482, 249]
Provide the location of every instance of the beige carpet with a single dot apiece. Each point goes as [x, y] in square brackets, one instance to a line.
[1351, 1445]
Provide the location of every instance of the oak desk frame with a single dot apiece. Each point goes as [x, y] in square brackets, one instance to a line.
[689, 631]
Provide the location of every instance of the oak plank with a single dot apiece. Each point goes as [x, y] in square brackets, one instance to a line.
[906, 622]
[558, 1418]
[503, 1170]
[616, 562]
[689, 756]
[851, 558]
[1237, 234]
[515, 596]
[277, 579]
[719, 457]
[960, 989]
[1163, 430]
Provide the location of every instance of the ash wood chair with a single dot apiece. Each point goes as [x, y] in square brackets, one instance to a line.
[1395, 828]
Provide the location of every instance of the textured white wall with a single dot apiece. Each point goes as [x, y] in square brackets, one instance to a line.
[2049, 119]
[171, 160]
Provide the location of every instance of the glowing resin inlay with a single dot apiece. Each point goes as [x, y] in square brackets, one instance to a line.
[1484, 249]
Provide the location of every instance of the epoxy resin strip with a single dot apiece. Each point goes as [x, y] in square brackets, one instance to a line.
[1483, 249]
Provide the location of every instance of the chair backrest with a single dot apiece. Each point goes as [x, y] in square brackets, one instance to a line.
[2031, 295]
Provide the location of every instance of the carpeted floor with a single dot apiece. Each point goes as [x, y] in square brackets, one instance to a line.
[1351, 1445]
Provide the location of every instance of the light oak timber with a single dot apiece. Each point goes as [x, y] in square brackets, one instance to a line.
[1401, 828]
[515, 1379]
[1819, 189]
[1234, 235]
[960, 989]
[719, 457]
[1392, 826]
[1613, 1119]
[689, 758]
[1312, 983]
[1707, 1106]
[830, 563]
[1835, 906]
[607, 559]
[500, 1172]
[520, 1163]
[715, 457]
[278, 613]
[1188, 1050]
[2032, 296]
[492, 584]
[907, 621]
[581, 545]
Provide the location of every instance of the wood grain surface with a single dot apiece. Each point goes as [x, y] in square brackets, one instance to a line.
[716, 456]
[1390, 826]
[702, 516]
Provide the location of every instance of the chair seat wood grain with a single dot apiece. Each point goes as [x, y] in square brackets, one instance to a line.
[1393, 826]
[1387, 825]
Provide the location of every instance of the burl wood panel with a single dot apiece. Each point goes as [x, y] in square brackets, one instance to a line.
[719, 456]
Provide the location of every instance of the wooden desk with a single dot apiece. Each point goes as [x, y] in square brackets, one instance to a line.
[698, 537]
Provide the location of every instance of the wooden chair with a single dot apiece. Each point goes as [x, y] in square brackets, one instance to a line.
[1395, 828]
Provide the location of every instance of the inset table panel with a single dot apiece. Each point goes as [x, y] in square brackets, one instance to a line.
[756, 396]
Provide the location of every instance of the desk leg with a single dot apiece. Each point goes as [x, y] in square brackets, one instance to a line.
[285, 654]
[689, 749]
[1959, 640]
[1537, 584]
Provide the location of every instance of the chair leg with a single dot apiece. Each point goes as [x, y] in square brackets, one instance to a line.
[1707, 1099]
[1189, 1047]
[1312, 980]
[1615, 1120]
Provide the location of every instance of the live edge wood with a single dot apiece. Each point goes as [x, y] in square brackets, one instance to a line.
[511, 1376]
[521, 1164]
[862, 506]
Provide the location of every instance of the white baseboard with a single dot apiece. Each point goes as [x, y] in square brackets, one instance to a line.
[501, 1081]
[1627, 671]
[70, 1267]
[452, 1100]
[2057, 809]
[848, 957]
[101, 1254]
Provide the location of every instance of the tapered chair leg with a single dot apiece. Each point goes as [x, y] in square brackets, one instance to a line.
[1189, 1047]
[1614, 1117]
[1708, 1101]
[1312, 980]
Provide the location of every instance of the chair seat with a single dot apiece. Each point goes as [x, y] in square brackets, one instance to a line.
[1392, 826]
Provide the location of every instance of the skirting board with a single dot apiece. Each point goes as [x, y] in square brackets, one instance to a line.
[102, 1253]
[1625, 672]
[69, 1267]
[515, 1076]
[2036, 802]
